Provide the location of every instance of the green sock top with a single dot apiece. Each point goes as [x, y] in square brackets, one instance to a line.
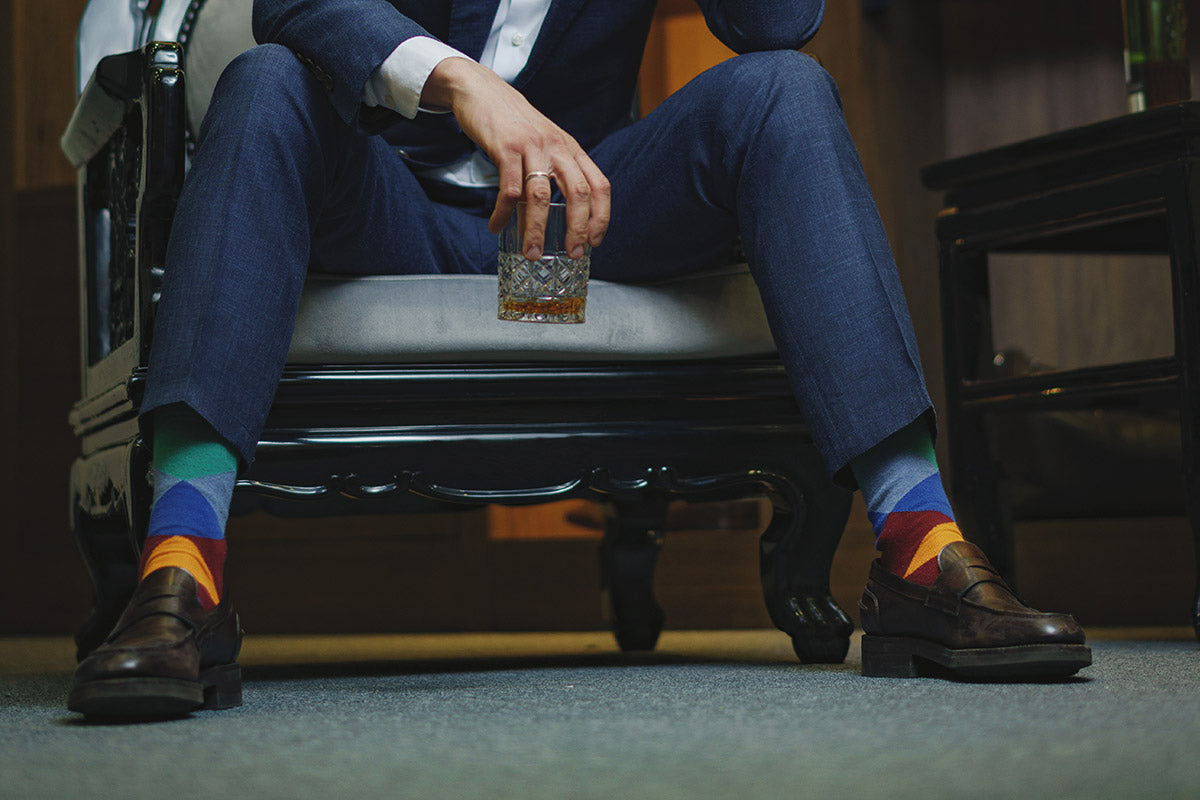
[187, 447]
[913, 438]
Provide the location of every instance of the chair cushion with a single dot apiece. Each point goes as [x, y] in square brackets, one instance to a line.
[432, 318]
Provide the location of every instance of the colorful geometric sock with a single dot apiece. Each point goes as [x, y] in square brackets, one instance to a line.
[906, 503]
[194, 474]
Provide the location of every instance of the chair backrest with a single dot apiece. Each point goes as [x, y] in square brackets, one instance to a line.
[218, 31]
[212, 33]
[108, 27]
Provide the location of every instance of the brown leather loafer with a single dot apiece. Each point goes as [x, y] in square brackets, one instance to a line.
[165, 657]
[968, 623]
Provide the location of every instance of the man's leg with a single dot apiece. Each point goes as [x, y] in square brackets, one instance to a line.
[757, 146]
[278, 183]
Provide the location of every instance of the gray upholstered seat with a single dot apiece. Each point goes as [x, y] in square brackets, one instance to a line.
[372, 319]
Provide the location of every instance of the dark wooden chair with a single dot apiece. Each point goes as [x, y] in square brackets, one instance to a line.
[452, 409]
[1126, 185]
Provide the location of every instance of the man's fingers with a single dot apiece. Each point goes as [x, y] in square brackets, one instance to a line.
[511, 190]
[521, 140]
[577, 192]
[585, 189]
[600, 200]
[529, 169]
[537, 208]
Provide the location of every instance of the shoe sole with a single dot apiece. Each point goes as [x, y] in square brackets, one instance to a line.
[156, 698]
[901, 657]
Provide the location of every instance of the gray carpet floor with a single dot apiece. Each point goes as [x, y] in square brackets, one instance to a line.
[714, 714]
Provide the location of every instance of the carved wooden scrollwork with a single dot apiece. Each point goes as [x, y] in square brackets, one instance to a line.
[595, 481]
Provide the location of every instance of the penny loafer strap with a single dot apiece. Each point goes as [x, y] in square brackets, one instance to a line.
[958, 577]
[168, 605]
[960, 582]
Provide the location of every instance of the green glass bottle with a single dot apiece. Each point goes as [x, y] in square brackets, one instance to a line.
[1156, 60]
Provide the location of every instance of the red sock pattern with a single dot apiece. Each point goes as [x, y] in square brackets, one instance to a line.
[911, 540]
[906, 503]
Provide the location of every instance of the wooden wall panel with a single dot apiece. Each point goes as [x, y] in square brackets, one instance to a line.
[1076, 311]
[42, 581]
[43, 45]
[1022, 68]
[9, 379]
[566, 519]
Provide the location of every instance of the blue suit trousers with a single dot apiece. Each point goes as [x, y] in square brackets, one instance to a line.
[755, 146]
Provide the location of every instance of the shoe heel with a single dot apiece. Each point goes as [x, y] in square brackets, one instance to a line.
[222, 686]
[884, 657]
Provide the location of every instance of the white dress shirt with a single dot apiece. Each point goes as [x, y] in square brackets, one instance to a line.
[399, 80]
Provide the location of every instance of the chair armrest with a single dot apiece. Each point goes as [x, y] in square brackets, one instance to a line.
[118, 83]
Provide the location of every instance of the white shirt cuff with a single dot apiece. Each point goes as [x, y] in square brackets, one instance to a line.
[397, 82]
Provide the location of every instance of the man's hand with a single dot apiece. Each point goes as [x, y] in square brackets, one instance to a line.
[521, 140]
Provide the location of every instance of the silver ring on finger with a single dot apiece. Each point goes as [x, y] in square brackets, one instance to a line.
[546, 175]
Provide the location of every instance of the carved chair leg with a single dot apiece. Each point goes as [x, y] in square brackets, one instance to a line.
[796, 554]
[633, 536]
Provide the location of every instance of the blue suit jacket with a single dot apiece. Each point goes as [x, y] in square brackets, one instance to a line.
[581, 73]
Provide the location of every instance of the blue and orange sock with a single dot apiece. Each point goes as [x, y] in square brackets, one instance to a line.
[194, 474]
[906, 503]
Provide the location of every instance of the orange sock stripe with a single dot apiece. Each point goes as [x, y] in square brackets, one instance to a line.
[180, 551]
[901, 537]
[925, 574]
[937, 538]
